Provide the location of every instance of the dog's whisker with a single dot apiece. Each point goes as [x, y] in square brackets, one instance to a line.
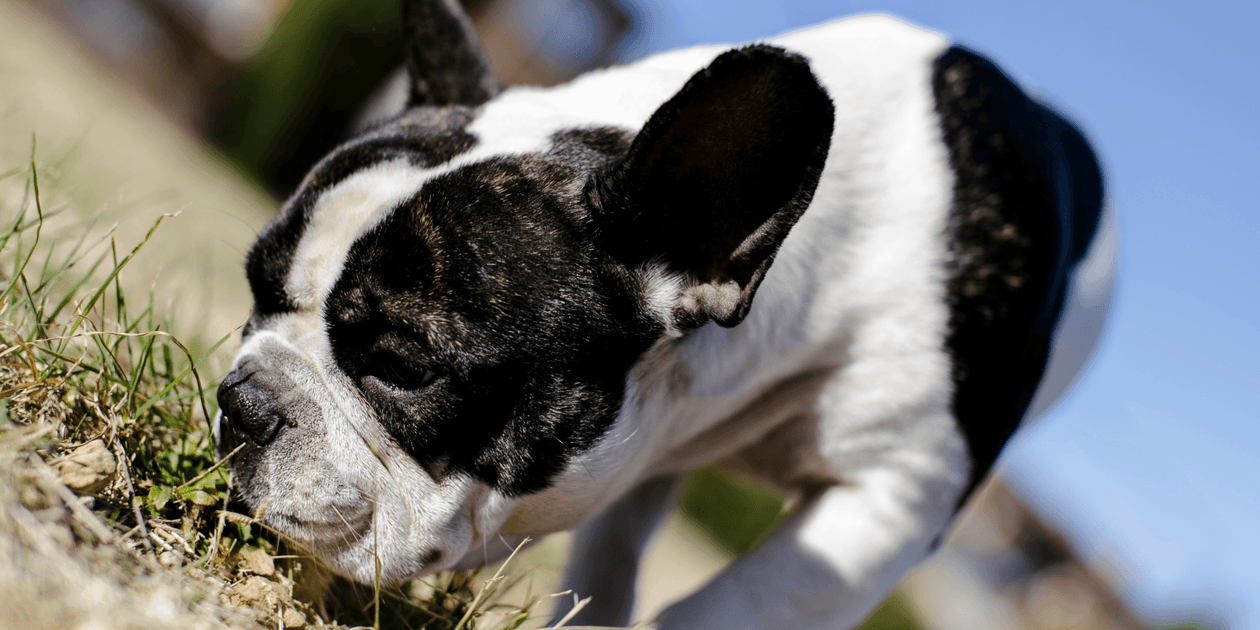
[349, 531]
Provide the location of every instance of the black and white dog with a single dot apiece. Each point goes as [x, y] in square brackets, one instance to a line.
[848, 260]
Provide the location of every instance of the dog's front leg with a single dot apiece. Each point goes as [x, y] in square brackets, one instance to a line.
[604, 559]
[826, 567]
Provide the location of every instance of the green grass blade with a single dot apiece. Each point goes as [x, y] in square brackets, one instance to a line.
[39, 227]
[114, 274]
[192, 369]
[73, 290]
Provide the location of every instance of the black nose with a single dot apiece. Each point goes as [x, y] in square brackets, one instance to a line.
[248, 405]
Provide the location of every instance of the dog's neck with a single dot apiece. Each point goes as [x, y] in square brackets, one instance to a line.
[689, 400]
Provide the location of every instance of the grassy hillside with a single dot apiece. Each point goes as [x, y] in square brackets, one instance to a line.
[120, 269]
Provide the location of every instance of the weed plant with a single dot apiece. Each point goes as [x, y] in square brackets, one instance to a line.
[87, 369]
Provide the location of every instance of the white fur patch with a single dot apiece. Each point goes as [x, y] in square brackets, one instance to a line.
[661, 288]
[341, 215]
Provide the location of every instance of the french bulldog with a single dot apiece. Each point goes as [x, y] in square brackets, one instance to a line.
[848, 260]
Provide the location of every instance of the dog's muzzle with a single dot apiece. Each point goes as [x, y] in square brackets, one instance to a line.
[256, 402]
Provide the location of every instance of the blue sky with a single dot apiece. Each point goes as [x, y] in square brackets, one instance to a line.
[1153, 464]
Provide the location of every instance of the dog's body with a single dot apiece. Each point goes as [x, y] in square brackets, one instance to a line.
[504, 315]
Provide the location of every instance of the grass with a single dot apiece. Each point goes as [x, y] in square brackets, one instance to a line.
[89, 374]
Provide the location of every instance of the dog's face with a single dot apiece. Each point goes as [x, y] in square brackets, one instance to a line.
[444, 329]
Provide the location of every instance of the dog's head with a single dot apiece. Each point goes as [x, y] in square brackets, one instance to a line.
[444, 322]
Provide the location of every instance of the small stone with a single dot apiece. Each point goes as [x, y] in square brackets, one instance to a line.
[255, 590]
[170, 559]
[293, 618]
[89, 469]
[258, 562]
[260, 590]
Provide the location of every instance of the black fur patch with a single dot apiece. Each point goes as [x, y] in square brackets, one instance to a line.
[426, 136]
[488, 281]
[591, 148]
[718, 177]
[444, 59]
[1027, 197]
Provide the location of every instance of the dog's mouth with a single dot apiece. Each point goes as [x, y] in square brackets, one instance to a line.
[351, 529]
[345, 527]
[366, 548]
[306, 500]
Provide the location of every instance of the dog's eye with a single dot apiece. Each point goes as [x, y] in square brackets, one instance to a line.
[399, 372]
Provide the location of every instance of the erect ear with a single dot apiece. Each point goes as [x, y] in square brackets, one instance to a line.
[717, 177]
[446, 63]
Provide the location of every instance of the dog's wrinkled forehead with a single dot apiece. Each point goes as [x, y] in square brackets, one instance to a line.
[416, 167]
[492, 253]
[348, 191]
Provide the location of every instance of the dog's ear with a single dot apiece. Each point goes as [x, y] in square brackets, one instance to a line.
[445, 62]
[717, 177]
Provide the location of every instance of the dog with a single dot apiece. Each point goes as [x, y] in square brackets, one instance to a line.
[848, 260]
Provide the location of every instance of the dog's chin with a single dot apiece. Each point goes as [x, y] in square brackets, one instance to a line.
[367, 547]
[366, 536]
[335, 529]
[359, 563]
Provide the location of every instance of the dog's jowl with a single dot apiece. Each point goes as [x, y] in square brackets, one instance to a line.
[850, 260]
